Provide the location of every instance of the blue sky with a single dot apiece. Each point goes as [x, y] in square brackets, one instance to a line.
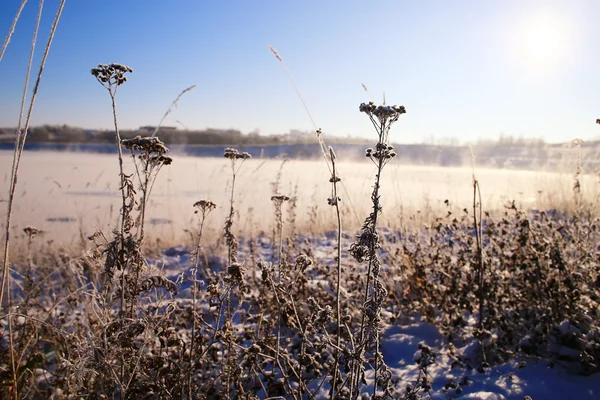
[464, 69]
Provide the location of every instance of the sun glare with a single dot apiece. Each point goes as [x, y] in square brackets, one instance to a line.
[542, 41]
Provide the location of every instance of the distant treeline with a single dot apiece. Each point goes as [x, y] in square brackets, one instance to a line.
[505, 152]
[169, 135]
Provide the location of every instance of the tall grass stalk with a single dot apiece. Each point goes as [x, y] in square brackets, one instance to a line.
[19, 148]
[318, 132]
[16, 160]
[171, 107]
[12, 29]
[334, 201]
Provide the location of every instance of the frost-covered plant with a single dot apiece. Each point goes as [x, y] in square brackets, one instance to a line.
[203, 208]
[234, 274]
[123, 254]
[365, 248]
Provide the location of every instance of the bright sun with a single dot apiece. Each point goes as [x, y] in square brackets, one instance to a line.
[542, 42]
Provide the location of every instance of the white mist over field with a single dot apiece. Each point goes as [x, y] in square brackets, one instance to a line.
[70, 195]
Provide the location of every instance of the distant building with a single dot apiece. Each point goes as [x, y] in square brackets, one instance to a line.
[151, 129]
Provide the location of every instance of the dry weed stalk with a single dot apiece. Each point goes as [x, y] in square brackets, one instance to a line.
[577, 197]
[365, 248]
[124, 252]
[19, 148]
[479, 260]
[235, 271]
[203, 208]
[111, 76]
[148, 155]
[12, 28]
[275, 188]
[173, 105]
[333, 201]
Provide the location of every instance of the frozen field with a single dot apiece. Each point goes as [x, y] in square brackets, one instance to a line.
[67, 194]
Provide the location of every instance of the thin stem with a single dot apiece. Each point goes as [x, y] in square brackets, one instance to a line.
[370, 287]
[173, 104]
[12, 29]
[113, 93]
[124, 212]
[20, 144]
[14, 175]
[145, 194]
[195, 295]
[477, 225]
[339, 277]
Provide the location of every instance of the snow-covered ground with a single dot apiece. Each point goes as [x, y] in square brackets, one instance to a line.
[425, 364]
[449, 379]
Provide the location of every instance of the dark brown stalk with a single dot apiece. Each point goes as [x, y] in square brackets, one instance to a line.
[478, 226]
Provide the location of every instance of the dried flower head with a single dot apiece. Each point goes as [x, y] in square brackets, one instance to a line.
[31, 231]
[383, 113]
[382, 118]
[162, 160]
[148, 144]
[110, 75]
[204, 206]
[333, 201]
[382, 151]
[234, 154]
[279, 198]
[236, 273]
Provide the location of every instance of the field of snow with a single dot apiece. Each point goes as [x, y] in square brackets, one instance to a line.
[67, 194]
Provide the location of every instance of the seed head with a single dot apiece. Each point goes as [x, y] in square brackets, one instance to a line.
[333, 201]
[279, 198]
[234, 154]
[148, 145]
[110, 75]
[30, 231]
[386, 115]
[204, 206]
